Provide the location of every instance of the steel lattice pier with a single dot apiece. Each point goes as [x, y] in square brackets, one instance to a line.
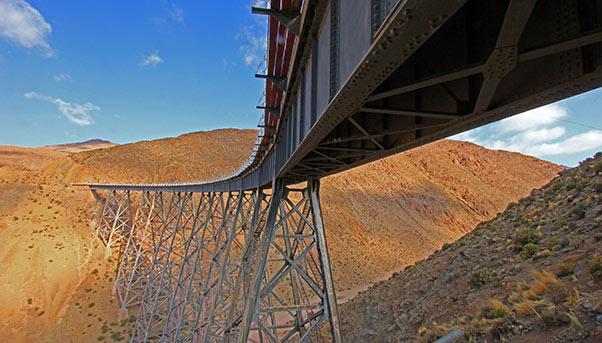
[222, 266]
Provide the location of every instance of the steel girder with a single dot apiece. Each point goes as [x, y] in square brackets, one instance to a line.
[223, 266]
[115, 221]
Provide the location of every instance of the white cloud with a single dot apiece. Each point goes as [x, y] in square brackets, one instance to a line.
[76, 113]
[535, 132]
[261, 3]
[176, 14]
[587, 141]
[537, 117]
[151, 60]
[528, 139]
[24, 25]
[61, 77]
[254, 43]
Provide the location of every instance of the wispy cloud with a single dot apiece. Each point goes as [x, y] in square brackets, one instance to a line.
[537, 132]
[80, 114]
[25, 26]
[261, 3]
[176, 13]
[61, 77]
[534, 118]
[151, 60]
[253, 44]
[171, 13]
[578, 143]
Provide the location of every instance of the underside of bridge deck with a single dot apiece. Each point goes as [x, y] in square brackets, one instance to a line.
[490, 60]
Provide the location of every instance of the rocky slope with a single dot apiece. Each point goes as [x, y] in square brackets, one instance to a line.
[380, 218]
[532, 274]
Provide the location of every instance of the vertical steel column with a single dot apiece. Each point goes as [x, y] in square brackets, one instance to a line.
[134, 262]
[241, 288]
[222, 288]
[162, 249]
[220, 238]
[268, 233]
[186, 317]
[329, 296]
[115, 221]
[293, 295]
[165, 286]
[187, 268]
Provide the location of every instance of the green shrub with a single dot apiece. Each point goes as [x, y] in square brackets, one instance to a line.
[553, 242]
[479, 278]
[579, 211]
[598, 167]
[595, 268]
[529, 250]
[581, 184]
[524, 236]
[565, 269]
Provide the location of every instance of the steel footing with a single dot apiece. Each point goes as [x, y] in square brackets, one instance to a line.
[240, 266]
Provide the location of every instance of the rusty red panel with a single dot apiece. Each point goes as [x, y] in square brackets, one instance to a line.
[279, 55]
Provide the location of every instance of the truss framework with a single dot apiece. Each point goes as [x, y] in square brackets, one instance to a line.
[241, 266]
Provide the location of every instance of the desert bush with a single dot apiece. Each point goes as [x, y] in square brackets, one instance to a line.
[565, 269]
[579, 211]
[577, 183]
[554, 316]
[553, 242]
[529, 250]
[479, 278]
[595, 268]
[598, 167]
[495, 310]
[524, 236]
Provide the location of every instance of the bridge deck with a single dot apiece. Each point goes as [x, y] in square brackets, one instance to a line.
[358, 90]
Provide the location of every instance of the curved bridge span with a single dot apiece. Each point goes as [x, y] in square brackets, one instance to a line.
[244, 258]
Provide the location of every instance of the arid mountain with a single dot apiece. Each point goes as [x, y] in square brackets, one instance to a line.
[532, 274]
[90, 144]
[379, 218]
[190, 157]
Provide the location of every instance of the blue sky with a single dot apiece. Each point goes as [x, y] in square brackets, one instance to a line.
[133, 70]
[126, 70]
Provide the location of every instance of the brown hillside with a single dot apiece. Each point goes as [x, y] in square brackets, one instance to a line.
[532, 274]
[91, 144]
[189, 157]
[379, 218]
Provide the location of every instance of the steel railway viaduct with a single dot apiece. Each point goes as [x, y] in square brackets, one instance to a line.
[244, 258]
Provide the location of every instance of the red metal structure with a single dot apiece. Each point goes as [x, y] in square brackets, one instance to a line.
[279, 55]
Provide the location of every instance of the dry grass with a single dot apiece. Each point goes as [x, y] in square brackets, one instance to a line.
[595, 268]
[496, 309]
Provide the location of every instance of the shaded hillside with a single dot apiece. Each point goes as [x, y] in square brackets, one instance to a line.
[383, 216]
[379, 218]
[532, 274]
